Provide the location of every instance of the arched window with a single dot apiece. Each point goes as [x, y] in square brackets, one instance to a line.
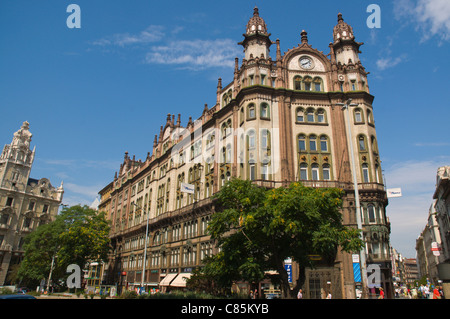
[303, 171]
[251, 138]
[310, 115]
[315, 172]
[321, 115]
[307, 83]
[358, 113]
[369, 117]
[228, 154]
[373, 141]
[252, 170]
[326, 172]
[313, 143]
[264, 111]
[324, 143]
[251, 111]
[297, 82]
[302, 142]
[300, 115]
[371, 213]
[365, 172]
[317, 82]
[265, 139]
[362, 143]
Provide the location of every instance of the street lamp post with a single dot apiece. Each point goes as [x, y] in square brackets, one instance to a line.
[362, 253]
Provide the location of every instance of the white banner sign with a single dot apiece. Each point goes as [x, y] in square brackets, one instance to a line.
[187, 188]
[394, 192]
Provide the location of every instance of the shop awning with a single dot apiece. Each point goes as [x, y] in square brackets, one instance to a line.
[180, 281]
[167, 280]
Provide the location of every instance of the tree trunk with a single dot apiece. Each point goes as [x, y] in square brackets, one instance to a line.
[285, 287]
[300, 280]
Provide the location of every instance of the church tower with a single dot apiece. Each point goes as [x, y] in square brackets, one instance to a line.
[25, 203]
[16, 160]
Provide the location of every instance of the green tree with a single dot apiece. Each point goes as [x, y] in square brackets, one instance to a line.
[77, 235]
[257, 229]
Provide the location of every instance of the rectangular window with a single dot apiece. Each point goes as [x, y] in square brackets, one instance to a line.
[252, 172]
[303, 173]
[9, 201]
[315, 173]
[366, 175]
[323, 145]
[317, 86]
[312, 145]
[371, 213]
[326, 173]
[320, 118]
[264, 172]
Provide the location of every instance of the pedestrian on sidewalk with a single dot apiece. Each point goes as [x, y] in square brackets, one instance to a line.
[381, 293]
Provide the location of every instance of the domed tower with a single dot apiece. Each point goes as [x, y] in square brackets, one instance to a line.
[345, 46]
[256, 42]
[345, 59]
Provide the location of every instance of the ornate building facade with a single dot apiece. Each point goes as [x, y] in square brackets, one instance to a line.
[278, 121]
[25, 203]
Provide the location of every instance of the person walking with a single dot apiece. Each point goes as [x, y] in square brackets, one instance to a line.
[436, 293]
[381, 293]
[300, 294]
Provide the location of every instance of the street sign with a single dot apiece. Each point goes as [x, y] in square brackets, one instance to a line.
[394, 192]
[435, 249]
[315, 257]
[357, 272]
[288, 268]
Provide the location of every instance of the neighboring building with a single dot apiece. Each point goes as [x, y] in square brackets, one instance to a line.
[442, 206]
[427, 257]
[25, 203]
[411, 274]
[397, 268]
[277, 122]
[105, 200]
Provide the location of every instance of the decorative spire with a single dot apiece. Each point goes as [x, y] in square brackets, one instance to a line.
[304, 35]
[342, 31]
[256, 24]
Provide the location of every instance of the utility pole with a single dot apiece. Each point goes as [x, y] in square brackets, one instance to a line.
[362, 253]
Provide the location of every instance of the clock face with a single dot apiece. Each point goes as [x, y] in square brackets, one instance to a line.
[306, 63]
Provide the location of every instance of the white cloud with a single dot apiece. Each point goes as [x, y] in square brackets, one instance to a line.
[188, 54]
[195, 54]
[388, 62]
[153, 33]
[432, 17]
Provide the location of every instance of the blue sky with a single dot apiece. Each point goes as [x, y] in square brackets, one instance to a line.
[92, 93]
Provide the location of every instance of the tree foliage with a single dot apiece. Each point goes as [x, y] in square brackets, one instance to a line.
[257, 229]
[77, 235]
